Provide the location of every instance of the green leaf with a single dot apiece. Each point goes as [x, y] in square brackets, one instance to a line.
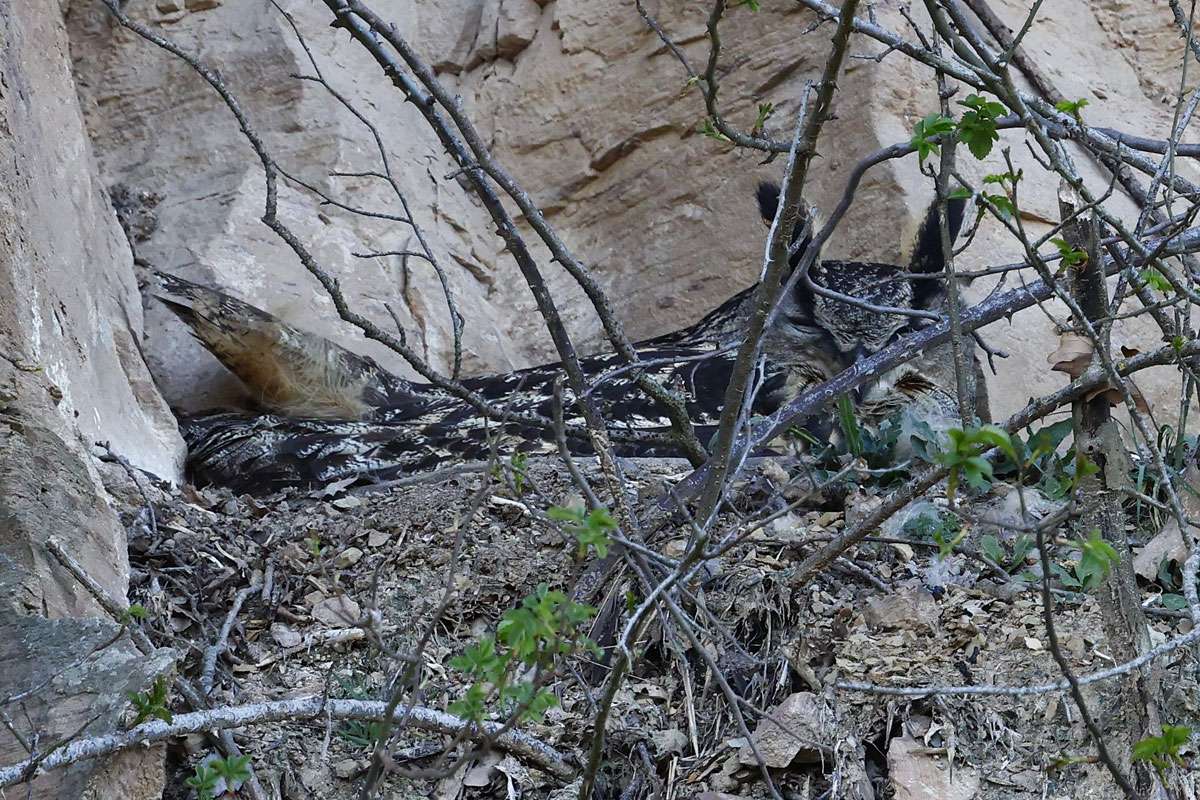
[981, 105]
[977, 128]
[470, 706]
[590, 530]
[961, 193]
[992, 548]
[753, 5]
[707, 128]
[1072, 107]
[1021, 548]
[765, 110]
[1096, 557]
[1084, 467]
[151, 704]
[995, 436]
[204, 780]
[1002, 203]
[944, 529]
[1070, 256]
[1004, 178]
[520, 465]
[978, 471]
[564, 514]
[234, 769]
[1162, 751]
[481, 660]
[927, 131]
[1174, 602]
[1046, 440]
[849, 426]
[1155, 280]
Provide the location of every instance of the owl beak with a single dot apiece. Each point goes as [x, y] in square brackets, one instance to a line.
[861, 391]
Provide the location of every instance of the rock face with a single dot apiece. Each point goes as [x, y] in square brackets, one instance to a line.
[70, 314]
[71, 374]
[580, 100]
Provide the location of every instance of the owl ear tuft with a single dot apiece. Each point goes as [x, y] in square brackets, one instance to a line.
[928, 257]
[767, 196]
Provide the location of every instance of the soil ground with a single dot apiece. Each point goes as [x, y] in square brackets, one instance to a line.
[893, 613]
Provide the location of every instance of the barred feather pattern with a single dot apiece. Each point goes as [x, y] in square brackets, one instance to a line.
[428, 428]
[332, 415]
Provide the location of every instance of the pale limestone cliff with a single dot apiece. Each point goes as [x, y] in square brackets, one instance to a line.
[587, 108]
[71, 374]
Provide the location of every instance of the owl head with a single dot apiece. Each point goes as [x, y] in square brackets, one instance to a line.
[851, 331]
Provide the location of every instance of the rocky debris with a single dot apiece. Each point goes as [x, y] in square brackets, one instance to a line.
[796, 640]
[336, 612]
[909, 609]
[1169, 543]
[799, 728]
[917, 773]
[1015, 509]
[348, 557]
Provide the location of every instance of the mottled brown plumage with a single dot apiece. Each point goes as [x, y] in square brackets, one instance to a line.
[336, 415]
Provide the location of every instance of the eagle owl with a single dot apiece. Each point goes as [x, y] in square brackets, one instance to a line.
[329, 414]
[819, 330]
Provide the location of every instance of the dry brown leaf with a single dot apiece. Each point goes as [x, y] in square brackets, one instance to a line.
[1129, 352]
[1113, 395]
[1073, 355]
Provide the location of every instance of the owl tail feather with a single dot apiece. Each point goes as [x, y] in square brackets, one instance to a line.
[289, 371]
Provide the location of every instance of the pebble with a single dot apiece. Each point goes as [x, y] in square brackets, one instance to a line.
[348, 557]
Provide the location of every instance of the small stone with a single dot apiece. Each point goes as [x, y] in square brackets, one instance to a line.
[201, 5]
[169, 6]
[917, 775]
[336, 612]
[859, 506]
[828, 518]
[285, 636]
[348, 557]
[378, 538]
[314, 779]
[671, 740]
[346, 769]
[905, 609]
[1075, 646]
[793, 730]
[516, 26]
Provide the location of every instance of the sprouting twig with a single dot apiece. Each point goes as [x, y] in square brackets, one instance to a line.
[213, 651]
[518, 743]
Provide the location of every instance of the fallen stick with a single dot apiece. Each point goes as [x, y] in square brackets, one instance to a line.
[519, 744]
